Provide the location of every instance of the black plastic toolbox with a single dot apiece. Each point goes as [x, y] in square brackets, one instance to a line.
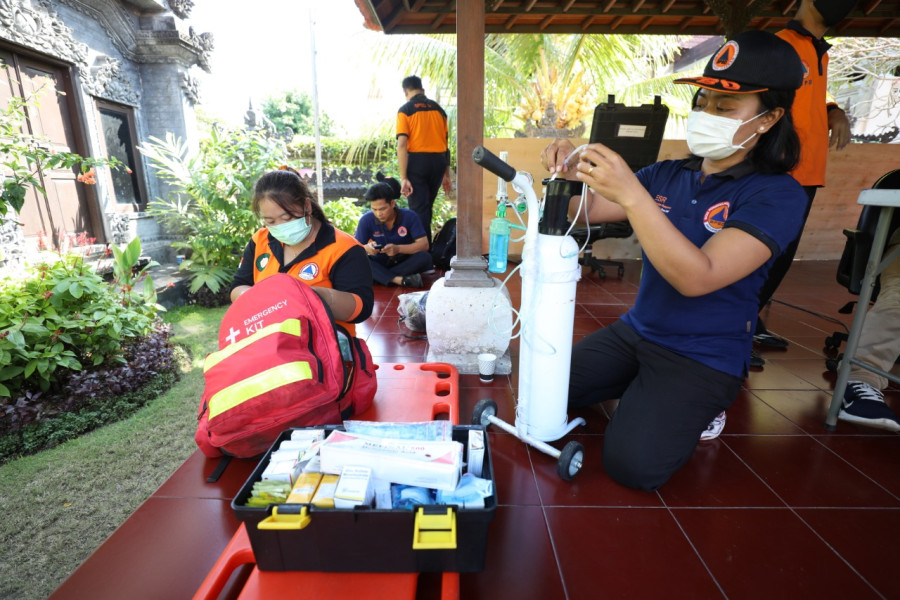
[363, 539]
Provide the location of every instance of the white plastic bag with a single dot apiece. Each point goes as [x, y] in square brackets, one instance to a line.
[412, 310]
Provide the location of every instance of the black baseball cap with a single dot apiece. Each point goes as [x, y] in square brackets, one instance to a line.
[752, 61]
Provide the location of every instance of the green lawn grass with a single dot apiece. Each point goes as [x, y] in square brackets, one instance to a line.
[59, 505]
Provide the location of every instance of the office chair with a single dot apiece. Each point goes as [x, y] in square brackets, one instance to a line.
[635, 133]
[602, 231]
[852, 265]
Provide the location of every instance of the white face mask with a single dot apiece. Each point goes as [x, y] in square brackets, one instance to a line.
[712, 136]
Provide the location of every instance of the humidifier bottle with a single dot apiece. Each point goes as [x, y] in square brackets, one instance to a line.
[499, 245]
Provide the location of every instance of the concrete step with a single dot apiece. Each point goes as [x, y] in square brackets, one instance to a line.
[171, 285]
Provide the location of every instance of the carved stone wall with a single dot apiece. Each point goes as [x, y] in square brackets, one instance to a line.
[137, 53]
[342, 183]
[12, 242]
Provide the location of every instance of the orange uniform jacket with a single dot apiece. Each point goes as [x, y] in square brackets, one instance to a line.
[314, 270]
[810, 110]
[424, 123]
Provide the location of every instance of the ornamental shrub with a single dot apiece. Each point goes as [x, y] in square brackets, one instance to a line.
[64, 317]
[211, 207]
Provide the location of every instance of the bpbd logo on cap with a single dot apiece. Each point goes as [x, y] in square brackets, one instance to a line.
[726, 56]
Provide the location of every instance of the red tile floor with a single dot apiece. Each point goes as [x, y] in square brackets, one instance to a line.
[777, 507]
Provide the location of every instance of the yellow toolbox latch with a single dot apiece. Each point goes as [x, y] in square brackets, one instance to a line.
[434, 528]
[291, 516]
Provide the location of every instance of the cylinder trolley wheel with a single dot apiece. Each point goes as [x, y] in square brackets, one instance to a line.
[484, 409]
[570, 460]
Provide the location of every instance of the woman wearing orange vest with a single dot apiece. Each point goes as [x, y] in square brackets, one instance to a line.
[298, 240]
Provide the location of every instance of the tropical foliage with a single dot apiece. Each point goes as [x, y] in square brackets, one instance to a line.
[532, 79]
[211, 205]
[294, 111]
[62, 317]
[344, 213]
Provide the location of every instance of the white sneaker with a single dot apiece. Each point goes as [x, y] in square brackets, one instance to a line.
[714, 428]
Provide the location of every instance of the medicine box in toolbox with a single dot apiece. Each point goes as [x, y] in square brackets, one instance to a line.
[432, 538]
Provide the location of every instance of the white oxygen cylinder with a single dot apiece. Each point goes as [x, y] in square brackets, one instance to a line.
[549, 277]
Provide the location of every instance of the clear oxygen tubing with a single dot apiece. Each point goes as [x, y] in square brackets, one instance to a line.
[582, 204]
[526, 364]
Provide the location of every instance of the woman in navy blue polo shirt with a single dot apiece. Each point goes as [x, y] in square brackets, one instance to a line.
[393, 237]
[710, 227]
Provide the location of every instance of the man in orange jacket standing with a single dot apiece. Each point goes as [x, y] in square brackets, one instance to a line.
[423, 154]
[819, 123]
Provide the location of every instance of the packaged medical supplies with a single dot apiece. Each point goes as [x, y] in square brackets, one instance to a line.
[354, 488]
[265, 493]
[303, 490]
[433, 431]
[428, 464]
[470, 493]
[324, 497]
[434, 537]
[475, 452]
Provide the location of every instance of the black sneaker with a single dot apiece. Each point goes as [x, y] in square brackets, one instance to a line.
[413, 281]
[864, 405]
[756, 360]
[770, 341]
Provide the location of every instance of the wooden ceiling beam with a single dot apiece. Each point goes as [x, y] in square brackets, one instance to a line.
[871, 7]
[393, 19]
[870, 18]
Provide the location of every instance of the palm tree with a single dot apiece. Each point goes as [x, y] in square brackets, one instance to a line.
[531, 79]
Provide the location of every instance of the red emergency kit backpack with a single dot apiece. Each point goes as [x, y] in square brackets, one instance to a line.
[280, 364]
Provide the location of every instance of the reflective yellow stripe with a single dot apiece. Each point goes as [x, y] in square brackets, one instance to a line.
[289, 326]
[258, 384]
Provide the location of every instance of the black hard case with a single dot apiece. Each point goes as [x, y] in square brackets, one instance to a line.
[365, 539]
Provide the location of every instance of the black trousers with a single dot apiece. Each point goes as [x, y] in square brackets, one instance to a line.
[665, 402]
[407, 265]
[425, 171]
[783, 263]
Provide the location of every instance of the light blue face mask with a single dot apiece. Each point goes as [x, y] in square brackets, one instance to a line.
[292, 232]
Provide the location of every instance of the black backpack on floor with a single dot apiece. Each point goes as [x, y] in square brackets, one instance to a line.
[443, 247]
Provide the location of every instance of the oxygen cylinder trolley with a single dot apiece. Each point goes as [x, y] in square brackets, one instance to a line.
[549, 272]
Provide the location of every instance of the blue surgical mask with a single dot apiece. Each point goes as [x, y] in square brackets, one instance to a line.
[292, 232]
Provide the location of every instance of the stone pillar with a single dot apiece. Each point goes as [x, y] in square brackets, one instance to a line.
[465, 321]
